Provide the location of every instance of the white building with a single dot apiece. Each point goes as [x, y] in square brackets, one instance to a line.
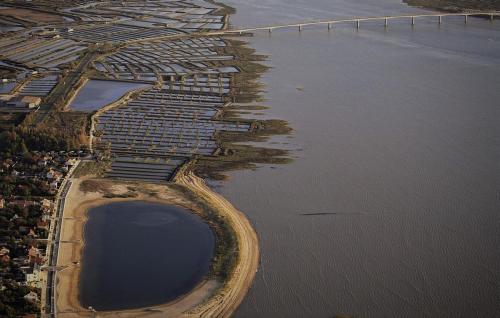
[33, 279]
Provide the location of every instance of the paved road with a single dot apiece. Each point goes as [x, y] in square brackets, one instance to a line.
[55, 240]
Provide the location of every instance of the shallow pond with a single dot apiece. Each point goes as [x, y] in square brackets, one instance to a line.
[5, 88]
[141, 254]
[98, 93]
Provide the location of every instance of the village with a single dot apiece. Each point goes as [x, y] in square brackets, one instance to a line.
[30, 182]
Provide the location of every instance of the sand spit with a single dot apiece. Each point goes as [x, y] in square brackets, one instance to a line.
[232, 294]
[211, 298]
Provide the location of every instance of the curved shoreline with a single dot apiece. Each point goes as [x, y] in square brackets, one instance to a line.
[235, 289]
[210, 298]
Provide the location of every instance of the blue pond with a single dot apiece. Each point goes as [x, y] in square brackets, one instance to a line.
[140, 254]
[98, 93]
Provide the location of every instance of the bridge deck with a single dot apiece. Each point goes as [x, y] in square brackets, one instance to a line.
[491, 15]
[300, 25]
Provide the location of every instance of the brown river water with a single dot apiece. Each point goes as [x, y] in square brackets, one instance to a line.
[390, 208]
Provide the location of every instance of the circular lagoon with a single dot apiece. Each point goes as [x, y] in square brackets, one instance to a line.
[140, 254]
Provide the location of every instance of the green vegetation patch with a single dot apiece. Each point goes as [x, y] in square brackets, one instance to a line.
[96, 168]
[246, 90]
[57, 131]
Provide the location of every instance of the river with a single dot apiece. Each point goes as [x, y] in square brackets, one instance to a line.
[396, 147]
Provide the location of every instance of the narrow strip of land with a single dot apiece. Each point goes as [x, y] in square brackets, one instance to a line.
[248, 251]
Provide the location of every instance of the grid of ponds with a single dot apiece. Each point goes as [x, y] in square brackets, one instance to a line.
[39, 86]
[155, 169]
[157, 130]
[9, 23]
[187, 15]
[116, 33]
[9, 26]
[141, 20]
[202, 83]
[145, 61]
[40, 51]
[163, 129]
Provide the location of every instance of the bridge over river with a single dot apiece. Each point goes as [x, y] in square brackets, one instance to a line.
[439, 17]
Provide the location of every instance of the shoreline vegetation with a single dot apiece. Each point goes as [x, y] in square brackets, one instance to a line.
[233, 153]
[233, 268]
[456, 5]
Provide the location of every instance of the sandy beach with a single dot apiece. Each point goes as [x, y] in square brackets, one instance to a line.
[211, 298]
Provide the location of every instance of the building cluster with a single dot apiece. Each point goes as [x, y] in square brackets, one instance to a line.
[29, 183]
